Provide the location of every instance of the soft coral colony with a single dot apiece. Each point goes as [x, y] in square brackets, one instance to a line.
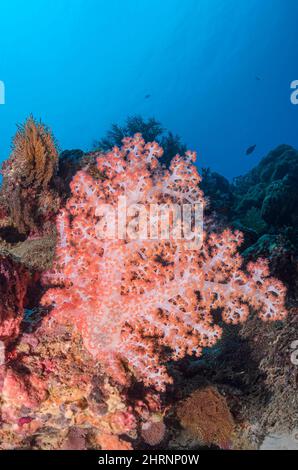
[140, 303]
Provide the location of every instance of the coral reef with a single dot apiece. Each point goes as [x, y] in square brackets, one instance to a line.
[277, 373]
[121, 319]
[259, 381]
[70, 162]
[53, 396]
[264, 201]
[263, 205]
[271, 187]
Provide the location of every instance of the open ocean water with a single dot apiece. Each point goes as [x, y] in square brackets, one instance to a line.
[218, 72]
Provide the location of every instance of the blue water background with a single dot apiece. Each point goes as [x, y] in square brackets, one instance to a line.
[82, 64]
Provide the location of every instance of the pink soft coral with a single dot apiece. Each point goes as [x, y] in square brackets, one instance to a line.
[138, 303]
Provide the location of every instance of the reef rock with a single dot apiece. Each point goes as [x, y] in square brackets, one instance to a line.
[14, 280]
[271, 187]
[218, 192]
[70, 161]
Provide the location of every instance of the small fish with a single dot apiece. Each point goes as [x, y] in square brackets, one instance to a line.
[258, 78]
[250, 149]
[147, 97]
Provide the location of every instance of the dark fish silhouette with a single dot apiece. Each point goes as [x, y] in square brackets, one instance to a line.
[147, 97]
[258, 78]
[250, 149]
